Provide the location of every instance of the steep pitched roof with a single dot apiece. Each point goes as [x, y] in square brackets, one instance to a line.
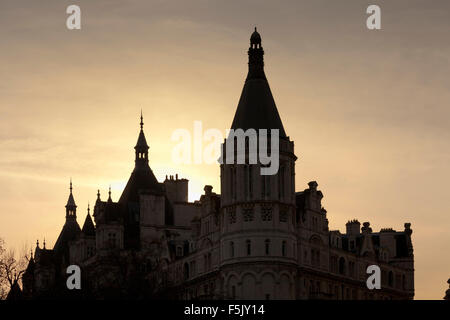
[140, 180]
[142, 177]
[69, 232]
[15, 293]
[71, 201]
[88, 226]
[141, 142]
[257, 108]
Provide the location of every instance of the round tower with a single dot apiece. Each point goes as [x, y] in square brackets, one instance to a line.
[258, 242]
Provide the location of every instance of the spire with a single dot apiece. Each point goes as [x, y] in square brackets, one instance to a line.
[71, 207]
[109, 193]
[256, 108]
[88, 226]
[141, 149]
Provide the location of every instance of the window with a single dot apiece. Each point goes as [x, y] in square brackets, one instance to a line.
[209, 262]
[267, 246]
[266, 213]
[391, 279]
[231, 215]
[315, 257]
[283, 215]
[112, 240]
[250, 181]
[342, 265]
[315, 223]
[192, 268]
[249, 247]
[179, 251]
[283, 248]
[334, 264]
[263, 187]
[233, 182]
[351, 268]
[248, 214]
[281, 182]
[267, 186]
[231, 249]
[352, 245]
[245, 181]
[233, 292]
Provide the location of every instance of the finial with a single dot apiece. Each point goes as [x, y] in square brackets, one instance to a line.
[109, 192]
[37, 243]
[98, 194]
[31, 253]
[70, 185]
[255, 29]
[142, 121]
[89, 210]
[44, 243]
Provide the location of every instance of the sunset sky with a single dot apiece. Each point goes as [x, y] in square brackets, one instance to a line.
[368, 110]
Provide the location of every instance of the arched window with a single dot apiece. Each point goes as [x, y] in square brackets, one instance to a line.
[250, 181]
[263, 187]
[231, 249]
[245, 181]
[267, 246]
[342, 265]
[186, 271]
[391, 279]
[281, 182]
[249, 247]
[283, 248]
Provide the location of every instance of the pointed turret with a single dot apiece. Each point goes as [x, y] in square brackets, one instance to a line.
[71, 229]
[88, 226]
[141, 149]
[142, 177]
[256, 108]
[71, 207]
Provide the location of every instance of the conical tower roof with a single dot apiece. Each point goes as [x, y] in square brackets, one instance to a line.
[257, 108]
[88, 226]
[142, 177]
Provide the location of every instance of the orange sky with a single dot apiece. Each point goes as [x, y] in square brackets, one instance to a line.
[367, 110]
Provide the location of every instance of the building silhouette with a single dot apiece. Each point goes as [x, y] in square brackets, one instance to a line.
[258, 239]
